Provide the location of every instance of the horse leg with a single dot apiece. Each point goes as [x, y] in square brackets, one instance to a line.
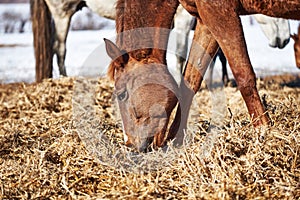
[182, 24]
[223, 60]
[62, 17]
[61, 30]
[203, 49]
[211, 70]
[226, 27]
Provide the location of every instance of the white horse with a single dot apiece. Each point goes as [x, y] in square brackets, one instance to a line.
[277, 31]
[62, 11]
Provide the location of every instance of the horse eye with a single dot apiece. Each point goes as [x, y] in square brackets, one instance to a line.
[122, 96]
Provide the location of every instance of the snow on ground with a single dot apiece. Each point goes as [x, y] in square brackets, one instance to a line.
[86, 54]
[18, 63]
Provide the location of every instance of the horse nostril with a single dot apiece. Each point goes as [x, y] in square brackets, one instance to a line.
[285, 42]
[278, 44]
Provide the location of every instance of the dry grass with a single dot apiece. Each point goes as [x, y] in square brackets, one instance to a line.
[42, 155]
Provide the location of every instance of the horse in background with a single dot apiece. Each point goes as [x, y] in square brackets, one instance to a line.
[296, 38]
[223, 60]
[277, 30]
[61, 11]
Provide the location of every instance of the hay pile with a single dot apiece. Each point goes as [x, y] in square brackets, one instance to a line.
[42, 155]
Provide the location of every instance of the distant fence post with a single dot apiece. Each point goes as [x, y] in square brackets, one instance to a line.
[42, 39]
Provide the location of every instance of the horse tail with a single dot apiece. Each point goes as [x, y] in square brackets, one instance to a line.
[43, 39]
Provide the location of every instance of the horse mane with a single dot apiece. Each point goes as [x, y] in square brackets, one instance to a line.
[130, 23]
[111, 71]
[120, 10]
[136, 33]
[139, 55]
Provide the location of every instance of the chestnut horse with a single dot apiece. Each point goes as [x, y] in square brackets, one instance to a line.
[296, 38]
[277, 31]
[220, 24]
[147, 92]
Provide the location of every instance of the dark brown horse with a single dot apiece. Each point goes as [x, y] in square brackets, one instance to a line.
[218, 23]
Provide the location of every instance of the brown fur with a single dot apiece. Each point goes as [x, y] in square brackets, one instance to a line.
[296, 38]
[223, 25]
[111, 72]
[197, 64]
[146, 91]
[131, 38]
[219, 23]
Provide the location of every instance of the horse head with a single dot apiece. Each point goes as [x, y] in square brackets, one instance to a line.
[277, 30]
[296, 38]
[146, 95]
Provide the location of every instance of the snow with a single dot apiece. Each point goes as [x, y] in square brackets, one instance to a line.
[13, 15]
[86, 54]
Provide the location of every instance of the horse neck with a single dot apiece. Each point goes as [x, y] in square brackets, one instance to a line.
[288, 9]
[145, 25]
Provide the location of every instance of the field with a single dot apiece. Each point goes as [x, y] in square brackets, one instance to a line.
[45, 151]
[62, 138]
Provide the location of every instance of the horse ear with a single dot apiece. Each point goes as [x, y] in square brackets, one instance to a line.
[294, 37]
[115, 53]
[119, 57]
[111, 49]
